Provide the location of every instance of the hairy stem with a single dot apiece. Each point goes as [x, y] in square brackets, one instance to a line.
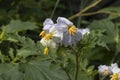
[66, 72]
[77, 67]
[100, 12]
[77, 63]
[84, 10]
[57, 2]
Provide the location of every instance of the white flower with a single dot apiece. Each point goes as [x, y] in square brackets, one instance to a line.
[64, 32]
[114, 65]
[71, 34]
[104, 70]
[54, 34]
[47, 25]
[115, 68]
[115, 76]
[48, 43]
[85, 31]
[57, 33]
[63, 22]
[51, 31]
[115, 72]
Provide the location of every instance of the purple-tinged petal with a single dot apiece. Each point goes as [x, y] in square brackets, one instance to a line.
[84, 31]
[48, 23]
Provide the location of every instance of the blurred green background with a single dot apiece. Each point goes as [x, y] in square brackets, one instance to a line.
[105, 45]
[38, 10]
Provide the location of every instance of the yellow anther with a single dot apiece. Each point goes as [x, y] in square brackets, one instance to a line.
[106, 72]
[46, 50]
[48, 36]
[42, 33]
[72, 30]
[114, 76]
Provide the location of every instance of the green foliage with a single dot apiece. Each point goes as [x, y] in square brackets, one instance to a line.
[41, 71]
[112, 9]
[17, 26]
[10, 71]
[37, 69]
[111, 31]
[118, 46]
[21, 55]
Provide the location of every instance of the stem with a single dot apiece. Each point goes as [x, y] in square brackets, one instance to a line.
[84, 10]
[77, 67]
[77, 63]
[99, 12]
[80, 18]
[66, 72]
[54, 8]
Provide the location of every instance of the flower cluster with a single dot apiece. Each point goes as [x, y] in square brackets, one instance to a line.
[113, 71]
[64, 32]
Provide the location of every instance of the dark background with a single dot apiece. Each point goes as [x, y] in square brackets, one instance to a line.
[38, 10]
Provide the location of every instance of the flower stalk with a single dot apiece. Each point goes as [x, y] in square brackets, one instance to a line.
[84, 10]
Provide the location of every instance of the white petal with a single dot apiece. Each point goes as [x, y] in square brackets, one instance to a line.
[56, 32]
[53, 29]
[48, 43]
[52, 44]
[43, 42]
[65, 40]
[78, 35]
[85, 31]
[114, 65]
[116, 70]
[48, 23]
[64, 21]
[101, 68]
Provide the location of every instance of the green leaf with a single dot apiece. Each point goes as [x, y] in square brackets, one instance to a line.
[11, 53]
[84, 64]
[110, 33]
[28, 46]
[112, 9]
[2, 57]
[90, 68]
[17, 26]
[36, 70]
[91, 55]
[1, 78]
[10, 72]
[25, 53]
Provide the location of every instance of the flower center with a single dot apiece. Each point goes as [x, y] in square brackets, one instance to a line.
[46, 50]
[106, 72]
[114, 76]
[42, 33]
[48, 36]
[72, 30]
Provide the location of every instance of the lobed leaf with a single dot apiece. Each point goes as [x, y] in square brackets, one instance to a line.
[18, 26]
